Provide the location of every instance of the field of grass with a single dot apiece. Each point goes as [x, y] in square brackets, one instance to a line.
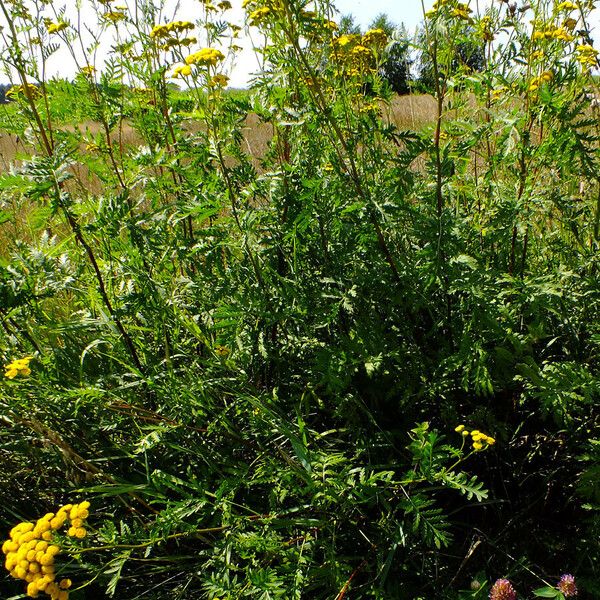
[26, 221]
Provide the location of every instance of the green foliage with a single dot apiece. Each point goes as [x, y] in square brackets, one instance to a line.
[252, 359]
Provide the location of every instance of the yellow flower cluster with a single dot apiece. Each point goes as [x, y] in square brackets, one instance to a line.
[88, 70]
[554, 33]
[219, 80]
[182, 71]
[19, 366]
[375, 37]
[172, 42]
[28, 89]
[537, 82]
[369, 108]
[114, 16]
[485, 28]
[480, 440]
[457, 9]
[345, 42]
[587, 56]
[30, 553]
[168, 29]
[168, 34]
[498, 93]
[256, 17]
[461, 11]
[353, 54]
[568, 6]
[55, 27]
[440, 4]
[206, 57]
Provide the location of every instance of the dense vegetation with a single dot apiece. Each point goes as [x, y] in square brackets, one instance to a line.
[360, 364]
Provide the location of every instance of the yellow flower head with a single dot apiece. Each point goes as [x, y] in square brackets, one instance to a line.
[220, 80]
[30, 553]
[20, 366]
[346, 41]
[587, 55]
[182, 71]
[256, 17]
[461, 12]
[375, 37]
[567, 6]
[205, 57]
[560, 33]
[56, 27]
[114, 16]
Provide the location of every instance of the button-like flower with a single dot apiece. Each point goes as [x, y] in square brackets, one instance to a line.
[18, 367]
[503, 590]
[567, 586]
[375, 37]
[220, 80]
[182, 71]
[256, 17]
[206, 56]
[56, 27]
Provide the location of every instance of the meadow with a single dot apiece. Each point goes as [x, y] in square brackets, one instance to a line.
[309, 340]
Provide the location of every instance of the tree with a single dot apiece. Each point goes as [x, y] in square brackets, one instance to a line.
[397, 63]
[348, 25]
[467, 53]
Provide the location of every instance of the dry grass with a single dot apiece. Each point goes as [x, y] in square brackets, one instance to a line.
[412, 111]
[405, 112]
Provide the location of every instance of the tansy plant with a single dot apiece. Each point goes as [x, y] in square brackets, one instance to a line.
[18, 368]
[32, 549]
[243, 301]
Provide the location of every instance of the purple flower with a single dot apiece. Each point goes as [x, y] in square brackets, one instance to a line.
[567, 586]
[503, 590]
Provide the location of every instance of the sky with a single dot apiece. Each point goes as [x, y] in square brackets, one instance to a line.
[409, 12]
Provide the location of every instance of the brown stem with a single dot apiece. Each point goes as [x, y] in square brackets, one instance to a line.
[90, 253]
[346, 586]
